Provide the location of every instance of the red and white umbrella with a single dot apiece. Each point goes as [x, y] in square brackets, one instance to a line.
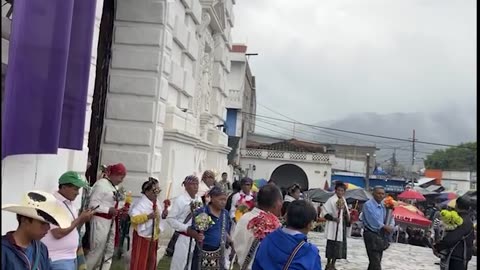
[406, 216]
[411, 194]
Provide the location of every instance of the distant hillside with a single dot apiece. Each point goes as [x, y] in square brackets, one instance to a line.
[453, 126]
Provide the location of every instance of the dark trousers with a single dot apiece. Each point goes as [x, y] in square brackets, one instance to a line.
[374, 247]
[457, 265]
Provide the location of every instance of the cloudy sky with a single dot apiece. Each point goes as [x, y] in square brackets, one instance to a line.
[338, 58]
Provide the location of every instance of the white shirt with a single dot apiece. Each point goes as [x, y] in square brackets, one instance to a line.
[179, 211]
[66, 247]
[103, 195]
[144, 206]
[243, 238]
[203, 189]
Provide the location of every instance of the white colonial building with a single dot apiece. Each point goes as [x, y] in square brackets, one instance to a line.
[164, 105]
[288, 162]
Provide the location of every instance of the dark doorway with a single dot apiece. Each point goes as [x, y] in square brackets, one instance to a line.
[288, 174]
[104, 53]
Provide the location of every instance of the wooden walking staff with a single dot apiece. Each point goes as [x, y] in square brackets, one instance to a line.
[150, 261]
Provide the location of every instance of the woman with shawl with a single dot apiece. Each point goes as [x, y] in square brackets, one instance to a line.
[145, 218]
[336, 213]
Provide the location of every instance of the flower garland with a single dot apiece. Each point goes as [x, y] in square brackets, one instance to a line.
[260, 226]
[451, 219]
[263, 224]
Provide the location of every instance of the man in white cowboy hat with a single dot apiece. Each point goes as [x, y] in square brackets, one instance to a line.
[22, 249]
[63, 244]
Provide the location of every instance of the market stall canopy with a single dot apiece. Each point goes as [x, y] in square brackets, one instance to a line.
[411, 194]
[424, 191]
[403, 215]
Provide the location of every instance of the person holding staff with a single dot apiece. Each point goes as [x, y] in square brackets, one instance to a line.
[336, 213]
[179, 218]
[146, 220]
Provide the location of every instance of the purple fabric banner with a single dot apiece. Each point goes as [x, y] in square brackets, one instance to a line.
[78, 72]
[47, 76]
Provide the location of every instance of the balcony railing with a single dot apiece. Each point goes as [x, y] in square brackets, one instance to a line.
[285, 155]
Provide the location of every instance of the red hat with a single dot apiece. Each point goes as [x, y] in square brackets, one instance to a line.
[117, 169]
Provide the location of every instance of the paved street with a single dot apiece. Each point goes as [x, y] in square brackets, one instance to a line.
[396, 257]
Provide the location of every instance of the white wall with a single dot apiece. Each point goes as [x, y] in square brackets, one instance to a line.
[350, 165]
[454, 185]
[22, 173]
[265, 168]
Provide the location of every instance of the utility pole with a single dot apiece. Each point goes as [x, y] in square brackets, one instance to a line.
[367, 174]
[394, 161]
[413, 155]
[413, 149]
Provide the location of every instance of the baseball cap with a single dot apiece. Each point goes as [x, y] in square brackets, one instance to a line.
[73, 178]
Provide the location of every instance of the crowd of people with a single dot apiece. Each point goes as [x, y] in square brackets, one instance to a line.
[217, 224]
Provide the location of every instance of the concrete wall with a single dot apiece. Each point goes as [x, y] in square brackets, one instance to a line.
[41, 172]
[339, 163]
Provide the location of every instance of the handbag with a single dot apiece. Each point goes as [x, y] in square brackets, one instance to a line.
[214, 260]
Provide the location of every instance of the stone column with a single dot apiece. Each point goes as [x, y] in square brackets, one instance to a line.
[136, 101]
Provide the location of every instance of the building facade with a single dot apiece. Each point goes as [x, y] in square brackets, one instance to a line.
[241, 102]
[164, 100]
[288, 162]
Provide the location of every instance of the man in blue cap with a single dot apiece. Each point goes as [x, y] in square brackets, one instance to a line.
[63, 243]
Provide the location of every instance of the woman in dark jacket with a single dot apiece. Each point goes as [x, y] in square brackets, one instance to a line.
[459, 242]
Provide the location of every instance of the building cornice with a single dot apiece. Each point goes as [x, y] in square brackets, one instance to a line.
[181, 137]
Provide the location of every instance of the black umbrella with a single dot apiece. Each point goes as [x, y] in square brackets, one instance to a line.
[318, 195]
[358, 194]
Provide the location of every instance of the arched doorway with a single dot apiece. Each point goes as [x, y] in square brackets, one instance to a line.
[287, 174]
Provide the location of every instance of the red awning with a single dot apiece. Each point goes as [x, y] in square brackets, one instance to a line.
[404, 215]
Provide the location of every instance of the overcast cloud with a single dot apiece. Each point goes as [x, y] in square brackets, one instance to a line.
[344, 57]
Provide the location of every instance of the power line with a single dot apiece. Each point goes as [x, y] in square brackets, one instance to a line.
[358, 133]
[336, 135]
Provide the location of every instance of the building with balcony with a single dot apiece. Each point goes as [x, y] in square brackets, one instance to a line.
[154, 86]
[288, 162]
[241, 102]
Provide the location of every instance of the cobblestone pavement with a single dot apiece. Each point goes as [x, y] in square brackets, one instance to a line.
[396, 257]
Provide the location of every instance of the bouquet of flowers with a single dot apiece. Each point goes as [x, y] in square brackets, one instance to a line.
[243, 206]
[340, 204]
[390, 204]
[451, 219]
[203, 222]
[195, 205]
[167, 203]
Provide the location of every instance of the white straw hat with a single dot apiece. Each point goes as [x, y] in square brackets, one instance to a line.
[41, 206]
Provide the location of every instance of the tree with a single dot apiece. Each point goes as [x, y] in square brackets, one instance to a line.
[461, 157]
